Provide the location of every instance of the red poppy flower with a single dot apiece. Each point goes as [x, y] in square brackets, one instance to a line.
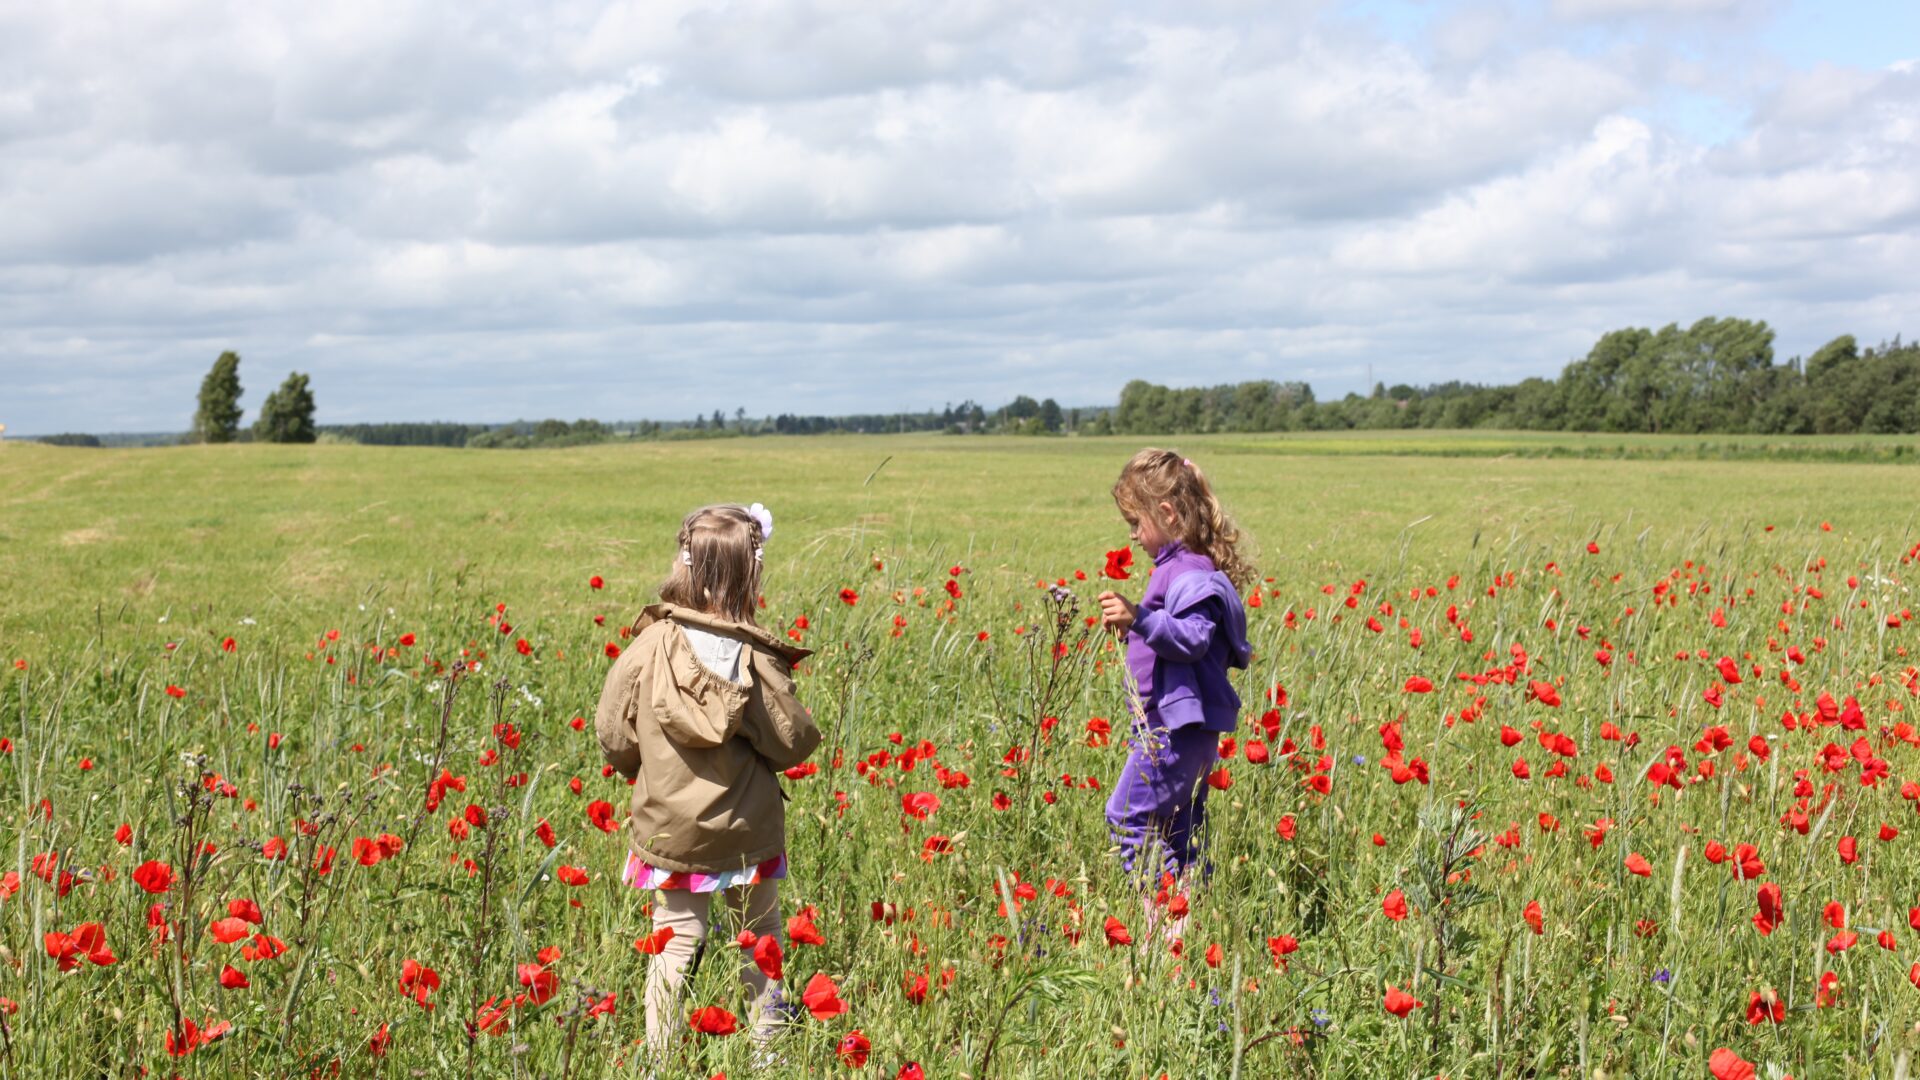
[1400, 1003]
[653, 943]
[1117, 933]
[1118, 563]
[1637, 864]
[228, 930]
[153, 876]
[418, 981]
[539, 981]
[1724, 1064]
[595, 582]
[1544, 693]
[600, 812]
[802, 931]
[849, 597]
[1281, 947]
[1418, 684]
[713, 1020]
[232, 978]
[767, 956]
[266, 947]
[822, 997]
[1395, 905]
[191, 1036]
[1531, 914]
[1762, 1011]
[854, 1049]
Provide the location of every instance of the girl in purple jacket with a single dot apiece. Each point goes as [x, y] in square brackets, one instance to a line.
[1182, 636]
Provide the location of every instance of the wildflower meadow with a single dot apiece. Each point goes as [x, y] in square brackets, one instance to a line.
[1546, 767]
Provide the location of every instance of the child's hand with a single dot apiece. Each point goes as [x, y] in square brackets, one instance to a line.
[1116, 612]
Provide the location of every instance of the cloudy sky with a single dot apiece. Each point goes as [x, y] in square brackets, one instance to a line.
[480, 210]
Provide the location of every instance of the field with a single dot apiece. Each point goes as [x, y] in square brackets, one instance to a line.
[1511, 717]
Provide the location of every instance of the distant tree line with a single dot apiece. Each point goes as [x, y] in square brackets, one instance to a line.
[431, 433]
[1716, 376]
[1021, 416]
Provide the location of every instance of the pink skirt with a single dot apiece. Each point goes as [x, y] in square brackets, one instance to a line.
[648, 878]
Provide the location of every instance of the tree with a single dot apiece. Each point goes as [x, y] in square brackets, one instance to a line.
[218, 419]
[1050, 416]
[287, 414]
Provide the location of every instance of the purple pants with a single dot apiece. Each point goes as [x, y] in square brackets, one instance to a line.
[1160, 800]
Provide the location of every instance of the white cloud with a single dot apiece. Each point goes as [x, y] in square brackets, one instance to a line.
[484, 209]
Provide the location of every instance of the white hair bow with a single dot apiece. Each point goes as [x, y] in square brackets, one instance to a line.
[765, 517]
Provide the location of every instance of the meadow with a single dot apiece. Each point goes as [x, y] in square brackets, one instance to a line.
[1549, 766]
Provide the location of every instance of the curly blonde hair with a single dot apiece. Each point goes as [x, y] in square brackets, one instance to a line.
[1154, 476]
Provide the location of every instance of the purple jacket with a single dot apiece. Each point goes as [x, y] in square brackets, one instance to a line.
[1189, 630]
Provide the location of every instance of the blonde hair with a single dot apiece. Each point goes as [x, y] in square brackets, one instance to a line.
[716, 565]
[1155, 476]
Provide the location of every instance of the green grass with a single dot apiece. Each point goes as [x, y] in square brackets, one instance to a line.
[125, 570]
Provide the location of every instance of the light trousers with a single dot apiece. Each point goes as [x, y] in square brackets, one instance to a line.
[689, 914]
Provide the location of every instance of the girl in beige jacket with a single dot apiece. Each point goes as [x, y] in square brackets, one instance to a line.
[699, 712]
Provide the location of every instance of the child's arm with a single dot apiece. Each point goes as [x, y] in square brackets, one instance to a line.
[1183, 638]
[778, 727]
[613, 722]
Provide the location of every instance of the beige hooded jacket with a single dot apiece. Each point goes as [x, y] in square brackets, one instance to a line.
[703, 752]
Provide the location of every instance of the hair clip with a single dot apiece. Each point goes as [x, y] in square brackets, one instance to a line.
[756, 555]
[686, 557]
[1188, 462]
[765, 517]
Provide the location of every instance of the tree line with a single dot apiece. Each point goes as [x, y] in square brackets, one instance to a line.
[1717, 376]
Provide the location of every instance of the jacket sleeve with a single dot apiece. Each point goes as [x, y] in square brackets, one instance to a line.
[613, 722]
[778, 727]
[1183, 638]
